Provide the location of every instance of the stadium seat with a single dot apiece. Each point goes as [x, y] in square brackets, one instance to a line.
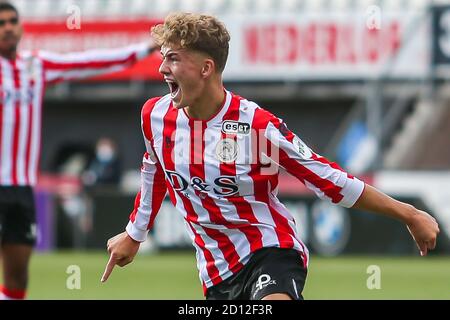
[393, 5]
[315, 5]
[287, 6]
[191, 5]
[265, 6]
[41, 9]
[239, 6]
[339, 5]
[163, 7]
[114, 8]
[216, 7]
[420, 4]
[139, 7]
[92, 8]
[364, 4]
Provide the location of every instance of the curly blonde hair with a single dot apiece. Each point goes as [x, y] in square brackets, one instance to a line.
[198, 32]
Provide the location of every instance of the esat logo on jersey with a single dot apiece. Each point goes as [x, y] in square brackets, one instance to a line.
[223, 185]
[235, 127]
[227, 150]
[301, 148]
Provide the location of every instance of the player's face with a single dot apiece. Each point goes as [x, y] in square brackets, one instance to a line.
[10, 31]
[182, 71]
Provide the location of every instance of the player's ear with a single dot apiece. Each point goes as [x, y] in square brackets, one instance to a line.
[208, 68]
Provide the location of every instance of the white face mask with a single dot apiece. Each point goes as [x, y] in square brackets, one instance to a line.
[105, 153]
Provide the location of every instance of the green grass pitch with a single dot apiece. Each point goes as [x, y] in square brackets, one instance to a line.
[173, 275]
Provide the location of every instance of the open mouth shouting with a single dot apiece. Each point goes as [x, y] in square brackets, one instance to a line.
[175, 90]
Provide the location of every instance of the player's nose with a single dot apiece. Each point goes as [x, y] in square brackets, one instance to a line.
[163, 69]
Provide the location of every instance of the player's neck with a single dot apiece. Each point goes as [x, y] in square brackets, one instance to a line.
[208, 104]
[9, 54]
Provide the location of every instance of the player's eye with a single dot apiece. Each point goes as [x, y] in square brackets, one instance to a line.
[13, 21]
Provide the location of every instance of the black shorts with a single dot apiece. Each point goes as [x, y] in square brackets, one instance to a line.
[17, 215]
[269, 270]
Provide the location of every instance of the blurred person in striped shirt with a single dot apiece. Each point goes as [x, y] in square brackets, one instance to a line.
[218, 157]
[23, 79]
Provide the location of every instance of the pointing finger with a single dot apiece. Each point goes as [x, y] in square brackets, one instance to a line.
[109, 268]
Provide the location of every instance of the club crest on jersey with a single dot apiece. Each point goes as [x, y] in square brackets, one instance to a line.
[227, 150]
[235, 127]
[301, 148]
[31, 67]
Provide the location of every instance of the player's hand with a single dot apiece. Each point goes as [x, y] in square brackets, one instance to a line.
[424, 230]
[122, 249]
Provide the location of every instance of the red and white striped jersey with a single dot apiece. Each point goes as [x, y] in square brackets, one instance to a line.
[22, 87]
[222, 175]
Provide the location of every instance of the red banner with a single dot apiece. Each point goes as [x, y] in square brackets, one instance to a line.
[324, 43]
[57, 37]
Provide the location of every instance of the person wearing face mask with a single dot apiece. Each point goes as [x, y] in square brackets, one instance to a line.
[105, 168]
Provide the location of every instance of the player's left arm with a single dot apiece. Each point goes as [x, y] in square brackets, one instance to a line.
[326, 179]
[423, 227]
[78, 65]
[330, 182]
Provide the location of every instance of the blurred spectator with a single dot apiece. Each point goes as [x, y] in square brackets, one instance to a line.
[105, 168]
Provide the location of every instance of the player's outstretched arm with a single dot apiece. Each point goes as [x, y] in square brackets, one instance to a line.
[330, 182]
[422, 227]
[79, 65]
[122, 249]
